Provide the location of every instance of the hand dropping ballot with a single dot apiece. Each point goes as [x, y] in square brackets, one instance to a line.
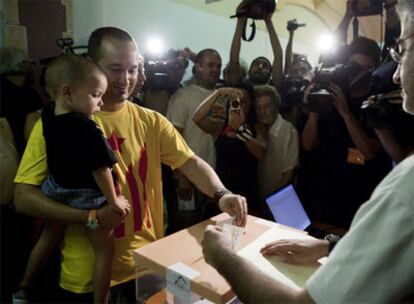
[235, 232]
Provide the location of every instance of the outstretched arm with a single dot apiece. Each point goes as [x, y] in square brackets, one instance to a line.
[207, 181]
[277, 66]
[341, 32]
[289, 52]
[253, 286]
[234, 72]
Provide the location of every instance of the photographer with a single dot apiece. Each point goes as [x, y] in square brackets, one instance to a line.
[229, 116]
[347, 160]
[261, 70]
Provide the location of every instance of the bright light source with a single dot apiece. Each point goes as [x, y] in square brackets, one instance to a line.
[155, 46]
[326, 43]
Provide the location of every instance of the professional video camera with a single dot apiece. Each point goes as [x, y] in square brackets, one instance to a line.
[165, 73]
[293, 25]
[157, 76]
[349, 77]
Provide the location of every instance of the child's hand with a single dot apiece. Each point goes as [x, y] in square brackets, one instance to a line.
[121, 205]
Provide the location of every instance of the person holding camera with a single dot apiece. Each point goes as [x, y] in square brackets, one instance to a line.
[347, 159]
[261, 71]
[228, 115]
[372, 263]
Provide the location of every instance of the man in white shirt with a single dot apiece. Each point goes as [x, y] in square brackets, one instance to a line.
[180, 111]
[282, 157]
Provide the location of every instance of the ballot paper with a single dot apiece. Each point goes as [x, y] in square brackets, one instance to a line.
[234, 232]
[292, 275]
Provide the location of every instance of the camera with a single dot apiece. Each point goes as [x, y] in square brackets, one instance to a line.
[387, 105]
[293, 25]
[385, 108]
[257, 9]
[349, 77]
[362, 8]
[235, 105]
[293, 90]
[156, 74]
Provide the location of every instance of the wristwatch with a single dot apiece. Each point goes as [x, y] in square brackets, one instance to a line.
[92, 222]
[219, 194]
[333, 239]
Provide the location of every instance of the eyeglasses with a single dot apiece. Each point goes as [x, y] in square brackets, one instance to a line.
[393, 51]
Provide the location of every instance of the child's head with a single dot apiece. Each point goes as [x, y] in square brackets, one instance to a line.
[76, 84]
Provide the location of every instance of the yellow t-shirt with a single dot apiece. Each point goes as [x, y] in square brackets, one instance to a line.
[141, 140]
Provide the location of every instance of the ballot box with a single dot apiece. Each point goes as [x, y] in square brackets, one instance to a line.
[179, 259]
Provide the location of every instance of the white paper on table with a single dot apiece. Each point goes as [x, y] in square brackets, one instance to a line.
[292, 275]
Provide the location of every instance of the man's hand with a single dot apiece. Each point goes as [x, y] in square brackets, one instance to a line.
[185, 188]
[297, 251]
[214, 242]
[236, 117]
[339, 100]
[108, 217]
[234, 205]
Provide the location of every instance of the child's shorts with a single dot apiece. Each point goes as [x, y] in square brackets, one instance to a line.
[82, 198]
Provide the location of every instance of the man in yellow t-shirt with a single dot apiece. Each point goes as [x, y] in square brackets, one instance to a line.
[141, 140]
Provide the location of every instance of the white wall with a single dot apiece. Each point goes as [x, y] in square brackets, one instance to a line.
[180, 26]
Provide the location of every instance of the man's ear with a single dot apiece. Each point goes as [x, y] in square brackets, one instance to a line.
[197, 67]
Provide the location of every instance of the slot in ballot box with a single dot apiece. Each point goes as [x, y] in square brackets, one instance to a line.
[179, 259]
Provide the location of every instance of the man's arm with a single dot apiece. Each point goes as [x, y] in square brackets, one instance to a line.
[253, 286]
[341, 32]
[30, 200]
[368, 147]
[234, 68]
[289, 52]
[207, 181]
[277, 66]
[310, 136]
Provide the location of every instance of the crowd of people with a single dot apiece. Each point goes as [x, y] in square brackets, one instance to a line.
[124, 152]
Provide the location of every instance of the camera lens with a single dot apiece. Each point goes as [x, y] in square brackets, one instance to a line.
[235, 105]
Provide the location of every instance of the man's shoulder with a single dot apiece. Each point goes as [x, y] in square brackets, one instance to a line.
[149, 117]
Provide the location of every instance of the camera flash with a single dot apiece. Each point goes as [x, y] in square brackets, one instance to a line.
[326, 42]
[155, 46]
